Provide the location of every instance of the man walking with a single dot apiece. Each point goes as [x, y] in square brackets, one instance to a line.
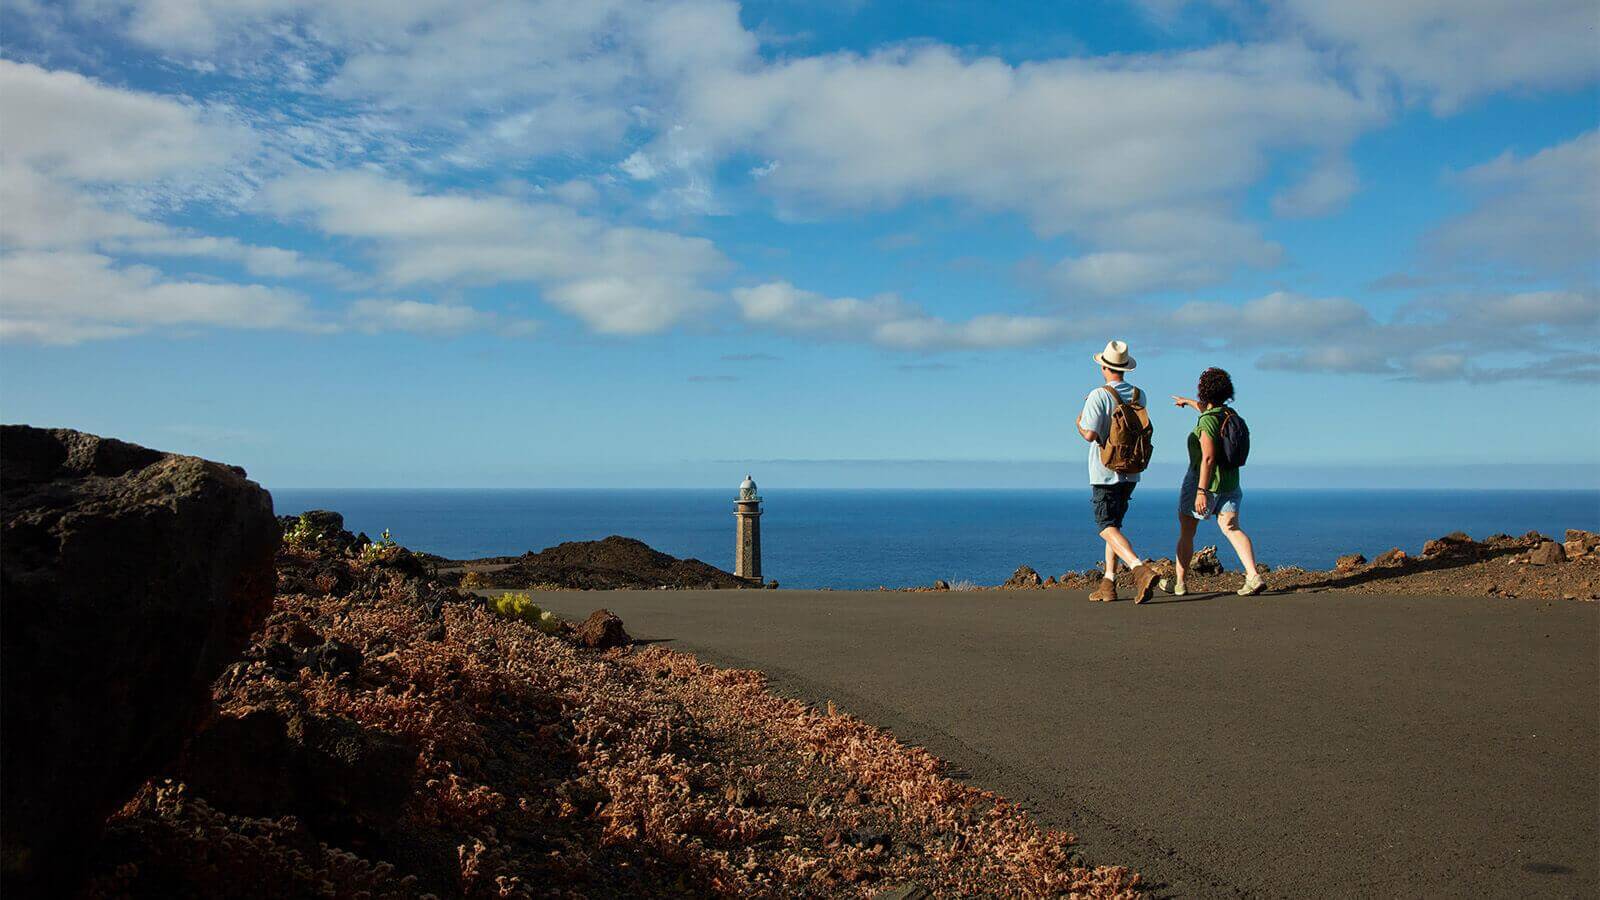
[1115, 424]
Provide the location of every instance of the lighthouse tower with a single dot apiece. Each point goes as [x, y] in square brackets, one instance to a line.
[747, 537]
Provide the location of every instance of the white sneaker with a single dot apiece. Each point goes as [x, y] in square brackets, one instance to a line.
[1252, 585]
[1173, 586]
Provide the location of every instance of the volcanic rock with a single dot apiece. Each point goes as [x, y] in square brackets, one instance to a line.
[1023, 577]
[1575, 549]
[613, 563]
[602, 629]
[1589, 539]
[1547, 554]
[1394, 556]
[342, 777]
[1205, 562]
[1350, 562]
[129, 579]
[941, 585]
[1456, 543]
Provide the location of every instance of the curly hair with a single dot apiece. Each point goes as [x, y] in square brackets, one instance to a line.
[1216, 387]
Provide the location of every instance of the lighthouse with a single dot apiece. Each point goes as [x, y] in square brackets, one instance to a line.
[747, 535]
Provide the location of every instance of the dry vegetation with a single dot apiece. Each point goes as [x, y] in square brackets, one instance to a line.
[389, 737]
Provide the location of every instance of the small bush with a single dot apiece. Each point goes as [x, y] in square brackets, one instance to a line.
[383, 548]
[472, 581]
[521, 606]
[301, 534]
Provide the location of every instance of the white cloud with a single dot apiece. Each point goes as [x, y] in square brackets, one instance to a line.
[619, 280]
[1125, 272]
[1538, 214]
[1447, 52]
[65, 297]
[888, 321]
[69, 126]
[38, 211]
[1452, 52]
[1324, 190]
[1140, 155]
[500, 78]
[78, 160]
[1279, 315]
[261, 262]
[429, 319]
[1478, 337]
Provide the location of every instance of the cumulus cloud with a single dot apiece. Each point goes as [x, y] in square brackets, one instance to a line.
[1478, 337]
[1443, 51]
[1537, 214]
[430, 319]
[888, 321]
[64, 297]
[75, 155]
[69, 126]
[261, 262]
[1276, 315]
[1324, 190]
[1453, 52]
[497, 78]
[617, 279]
[1140, 156]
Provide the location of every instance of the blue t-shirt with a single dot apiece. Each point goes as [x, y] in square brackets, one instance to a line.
[1096, 417]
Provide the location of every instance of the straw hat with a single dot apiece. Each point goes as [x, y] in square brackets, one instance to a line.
[1115, 357]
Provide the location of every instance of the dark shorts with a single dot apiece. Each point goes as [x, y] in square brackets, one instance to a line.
[1111, 503]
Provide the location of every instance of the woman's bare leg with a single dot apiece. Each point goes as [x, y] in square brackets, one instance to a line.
[1229, 522]
[1186, 526]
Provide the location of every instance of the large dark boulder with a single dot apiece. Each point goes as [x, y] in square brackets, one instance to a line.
[603, 628]
[129, 578]
[344, 780]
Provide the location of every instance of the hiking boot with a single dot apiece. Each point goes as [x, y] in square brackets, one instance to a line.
[1173, 586]
[1107, 591]
[1144, 582]
[1254, 584]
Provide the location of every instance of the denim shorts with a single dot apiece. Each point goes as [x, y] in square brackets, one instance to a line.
[1216, 503]
[1110, 503]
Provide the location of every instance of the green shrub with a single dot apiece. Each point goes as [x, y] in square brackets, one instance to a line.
[382, 548]
[300, 534]
[521, 606]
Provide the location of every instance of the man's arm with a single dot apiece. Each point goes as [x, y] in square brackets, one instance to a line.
[1091, 415]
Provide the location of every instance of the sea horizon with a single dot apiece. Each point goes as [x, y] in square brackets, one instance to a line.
[905, 537]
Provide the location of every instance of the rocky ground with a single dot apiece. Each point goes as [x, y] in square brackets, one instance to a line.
[1533, 566]
[613, 563]
[387, 736]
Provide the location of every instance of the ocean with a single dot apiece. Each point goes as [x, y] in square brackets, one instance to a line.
[903, 538]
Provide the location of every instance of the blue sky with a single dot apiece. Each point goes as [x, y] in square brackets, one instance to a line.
[428, 243]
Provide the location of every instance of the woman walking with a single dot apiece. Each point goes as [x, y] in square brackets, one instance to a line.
[1211, 488]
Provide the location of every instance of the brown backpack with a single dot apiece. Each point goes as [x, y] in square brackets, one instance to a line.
[1127, 448]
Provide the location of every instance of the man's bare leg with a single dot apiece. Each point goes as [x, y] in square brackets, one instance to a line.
[1144, 578]
[1118, 546]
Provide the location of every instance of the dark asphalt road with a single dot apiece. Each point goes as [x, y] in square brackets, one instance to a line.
[1305, 745]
